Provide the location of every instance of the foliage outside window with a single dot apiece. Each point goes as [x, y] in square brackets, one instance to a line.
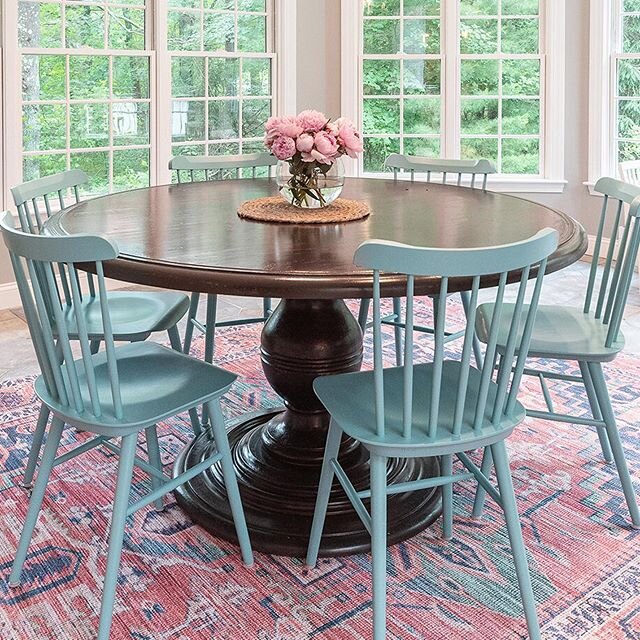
[627, 82]
[221, 75]
[406, 91]
[85, 91]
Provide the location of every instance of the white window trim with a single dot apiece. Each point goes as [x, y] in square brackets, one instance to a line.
[601, 91]
[553, 116]
[284, 83]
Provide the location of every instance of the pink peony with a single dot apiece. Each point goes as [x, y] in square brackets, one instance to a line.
[326, 144]
[312, 121]
[304, 142]
[281, 126]
[283, 147]
[315, 156]
[348, 137]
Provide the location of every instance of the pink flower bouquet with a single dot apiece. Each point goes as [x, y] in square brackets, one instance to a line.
[310, 143]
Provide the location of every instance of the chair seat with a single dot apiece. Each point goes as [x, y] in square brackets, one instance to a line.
[350, 399]
[155, 383]
[559, 332]
[134, 314]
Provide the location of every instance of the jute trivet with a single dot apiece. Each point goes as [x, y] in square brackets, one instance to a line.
[275, 209]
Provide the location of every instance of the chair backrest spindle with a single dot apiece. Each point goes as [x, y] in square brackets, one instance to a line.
[34, 258]
[472, 410]
[420, 164]
[217, 167]
[611, 292]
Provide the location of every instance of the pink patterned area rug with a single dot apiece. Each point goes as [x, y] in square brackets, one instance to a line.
[178, 582]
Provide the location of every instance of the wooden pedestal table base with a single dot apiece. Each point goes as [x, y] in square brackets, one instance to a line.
[278, 454]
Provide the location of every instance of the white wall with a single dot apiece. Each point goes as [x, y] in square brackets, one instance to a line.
[318, 42]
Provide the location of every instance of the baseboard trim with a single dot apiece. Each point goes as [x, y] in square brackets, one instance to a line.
[10, 296]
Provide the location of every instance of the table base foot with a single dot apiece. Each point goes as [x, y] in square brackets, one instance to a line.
[279, 495]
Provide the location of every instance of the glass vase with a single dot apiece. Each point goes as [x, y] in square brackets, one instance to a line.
[316, 186]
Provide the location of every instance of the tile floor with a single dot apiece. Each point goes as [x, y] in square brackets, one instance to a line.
[565, 287]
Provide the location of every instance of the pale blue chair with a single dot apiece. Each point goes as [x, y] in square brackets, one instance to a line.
[443, 408]
[477, 172]
[198, 168]
[588, 336]
[135, 315]
[116, 393]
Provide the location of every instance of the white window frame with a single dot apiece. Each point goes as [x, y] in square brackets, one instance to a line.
[552, 21]
[603, 57]
[282, 35]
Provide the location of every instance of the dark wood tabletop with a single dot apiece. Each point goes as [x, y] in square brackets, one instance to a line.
[189, 236]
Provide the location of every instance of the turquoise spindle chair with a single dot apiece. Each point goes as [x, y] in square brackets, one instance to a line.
[443, 408]
[188, 169]
[116, 393]
[135, 314]
[478, 172]
[587, 336]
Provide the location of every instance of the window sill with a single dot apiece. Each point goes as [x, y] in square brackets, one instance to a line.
[592, 192]
[504, 184]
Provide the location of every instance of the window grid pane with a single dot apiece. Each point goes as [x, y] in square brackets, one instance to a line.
[402, 80]
[500, 92]
[86, 107]
[222, 93]
[626, 125]
[500, 89]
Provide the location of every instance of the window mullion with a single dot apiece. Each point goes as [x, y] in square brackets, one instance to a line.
[450, 70]
[162, 78]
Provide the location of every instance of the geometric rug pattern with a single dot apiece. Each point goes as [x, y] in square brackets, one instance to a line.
[177, 582]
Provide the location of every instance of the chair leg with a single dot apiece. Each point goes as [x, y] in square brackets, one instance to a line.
[188, 331]
[334, 436]
[230, 480]
[116, 533]
[37, 495]
[505, 485]
[363, 313]
[174, 338]
[94, 346]
[153, 451]
[378, 473]
[595, 410]
[446, 469]
[209, 343]
[477, 349]
[614, 440]
[397, 331]
[266, 307]
[36, 445]
[210, 334]
[481, 494]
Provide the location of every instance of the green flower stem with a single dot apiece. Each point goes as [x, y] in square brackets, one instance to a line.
[304, 181]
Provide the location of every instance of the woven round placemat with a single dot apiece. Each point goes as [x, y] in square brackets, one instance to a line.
[275, 209]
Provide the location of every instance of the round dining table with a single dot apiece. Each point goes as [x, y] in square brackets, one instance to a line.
[189, 237]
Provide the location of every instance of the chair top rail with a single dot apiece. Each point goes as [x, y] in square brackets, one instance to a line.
[49, 184]
[384, 255]
[76, 248]
[617, 189]
[438, 165]
[246, 160]
[459, 400]
[67, 378]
